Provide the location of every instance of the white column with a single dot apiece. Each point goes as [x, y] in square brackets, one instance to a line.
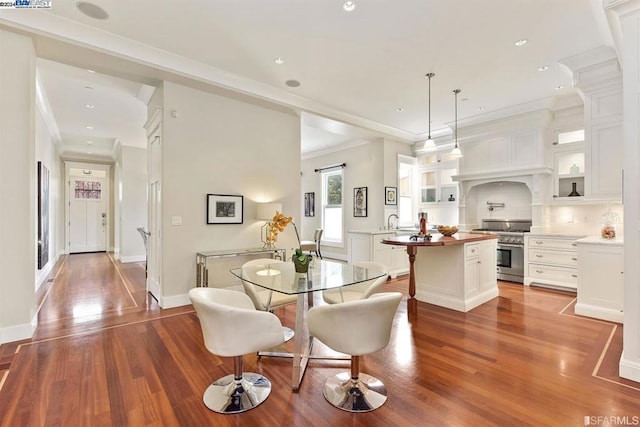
[628, 14]
[17, 187]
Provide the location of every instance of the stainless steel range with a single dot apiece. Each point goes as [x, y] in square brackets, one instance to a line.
[510, 234]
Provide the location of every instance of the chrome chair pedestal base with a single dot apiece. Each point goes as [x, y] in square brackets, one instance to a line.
[226, 396]
[363, 394]
[288, 333]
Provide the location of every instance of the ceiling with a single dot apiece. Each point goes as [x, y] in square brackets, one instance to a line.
[361, 73]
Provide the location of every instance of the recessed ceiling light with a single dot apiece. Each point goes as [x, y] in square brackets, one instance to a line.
[89, 142]
[88, 88]
[399, 109]
[91, 10]
[559, 87]
[521, 42]
[91, 71]
[89, 127]
[543, 68]
[89, 106]
[279, 61]
[349, 6]
[292, 83]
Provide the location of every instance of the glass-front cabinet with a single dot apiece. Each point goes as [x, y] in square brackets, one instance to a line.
[569, 165]
[436, 172]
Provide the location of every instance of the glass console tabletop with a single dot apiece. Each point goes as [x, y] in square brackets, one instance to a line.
[322, 275]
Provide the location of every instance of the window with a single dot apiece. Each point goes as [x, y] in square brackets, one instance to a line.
[406, 190]
[332, 206]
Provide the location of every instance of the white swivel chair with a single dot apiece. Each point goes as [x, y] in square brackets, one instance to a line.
[313, 245]
[356, 328]
[265, 299]
[359, 290]
[232, 327]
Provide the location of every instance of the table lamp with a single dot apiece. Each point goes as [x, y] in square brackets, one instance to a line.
[265, 212]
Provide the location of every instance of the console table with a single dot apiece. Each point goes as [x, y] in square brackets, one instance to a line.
[202, 272]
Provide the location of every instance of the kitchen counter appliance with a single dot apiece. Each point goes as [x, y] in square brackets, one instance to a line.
[510, 232]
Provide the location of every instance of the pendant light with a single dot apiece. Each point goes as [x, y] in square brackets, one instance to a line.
[429, 144]
[456, 153]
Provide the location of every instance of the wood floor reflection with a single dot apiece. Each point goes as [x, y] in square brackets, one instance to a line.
[105, 354]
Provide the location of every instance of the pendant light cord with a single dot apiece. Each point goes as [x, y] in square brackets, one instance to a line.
[456, 92]
[429, 75]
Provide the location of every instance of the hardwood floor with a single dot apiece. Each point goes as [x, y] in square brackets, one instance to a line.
[105, 354]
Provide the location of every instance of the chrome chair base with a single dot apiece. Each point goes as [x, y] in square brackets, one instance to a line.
[226, 396]
[362, 395]
[288, 333]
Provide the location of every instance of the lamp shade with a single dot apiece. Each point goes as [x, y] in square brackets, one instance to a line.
[266, 211]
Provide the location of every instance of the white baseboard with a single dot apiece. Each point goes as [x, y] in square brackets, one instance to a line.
[629, 369]
[454, 303]
[175, 301]
[16, 332]
[599, 312]
[133, 258]
[42, 274]
[333, 255]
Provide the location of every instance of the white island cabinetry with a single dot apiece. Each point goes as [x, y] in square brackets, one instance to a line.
[366, 246]
[601, 278]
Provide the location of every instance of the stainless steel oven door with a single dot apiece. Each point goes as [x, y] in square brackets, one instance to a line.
[510, 262]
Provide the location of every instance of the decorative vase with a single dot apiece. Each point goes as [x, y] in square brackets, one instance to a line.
[301, 267]
[574, 192]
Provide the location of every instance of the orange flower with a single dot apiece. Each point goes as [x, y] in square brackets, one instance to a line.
[278, 223]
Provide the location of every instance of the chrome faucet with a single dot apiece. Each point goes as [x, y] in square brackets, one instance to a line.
[389, 221]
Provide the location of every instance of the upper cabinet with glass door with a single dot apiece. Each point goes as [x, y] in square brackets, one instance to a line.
[569, 165]
[436, 172]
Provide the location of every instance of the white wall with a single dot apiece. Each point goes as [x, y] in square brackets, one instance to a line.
[133, 202]
[372, 165]
[516, 197]
[220, 145]
[17, 187]
[47, 153]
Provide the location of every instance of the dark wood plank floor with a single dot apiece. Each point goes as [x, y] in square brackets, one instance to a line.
[105, 354]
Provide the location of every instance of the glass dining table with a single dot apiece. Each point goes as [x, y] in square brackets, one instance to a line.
[322, 275]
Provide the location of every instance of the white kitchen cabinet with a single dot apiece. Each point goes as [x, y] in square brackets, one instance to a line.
[367, 246]
[568, 170]
[551, 261]
[601, 278]
[459, 277]
[480, 273]
[436, 179]
[604, 160]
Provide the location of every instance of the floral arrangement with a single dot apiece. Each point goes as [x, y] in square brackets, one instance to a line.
[278, 223]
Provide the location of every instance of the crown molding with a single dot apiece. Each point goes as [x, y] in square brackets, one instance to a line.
[84, 36]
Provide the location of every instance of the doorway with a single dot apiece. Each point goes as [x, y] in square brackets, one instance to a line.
[87, 207]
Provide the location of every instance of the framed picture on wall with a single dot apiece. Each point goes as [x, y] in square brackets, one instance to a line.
[309, 204]
[390, 196]
[224, 209]
[43, 215]
[360, 201]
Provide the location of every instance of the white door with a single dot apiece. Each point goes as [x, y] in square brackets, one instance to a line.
[153, 258]
[87, 215]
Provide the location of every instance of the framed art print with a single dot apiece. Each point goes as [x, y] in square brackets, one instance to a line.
[360, 201]
[390, 195]
[224, 209]
[309, 204]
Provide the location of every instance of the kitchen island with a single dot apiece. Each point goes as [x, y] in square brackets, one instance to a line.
[457, 272]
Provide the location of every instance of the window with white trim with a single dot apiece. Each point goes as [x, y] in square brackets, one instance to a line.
[332, 203]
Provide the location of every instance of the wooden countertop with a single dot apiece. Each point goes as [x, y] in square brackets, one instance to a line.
[439, 240]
